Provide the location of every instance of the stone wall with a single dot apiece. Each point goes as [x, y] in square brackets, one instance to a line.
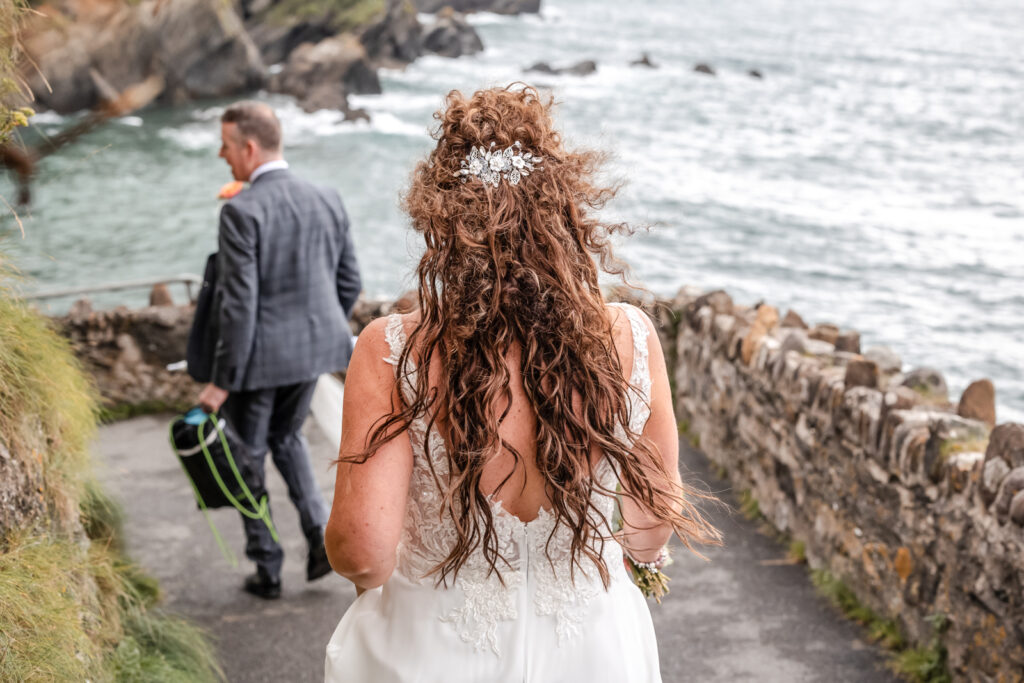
[916, 506]
[916, 503]
[127, 351]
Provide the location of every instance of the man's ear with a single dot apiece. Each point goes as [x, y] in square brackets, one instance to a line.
[252, 150]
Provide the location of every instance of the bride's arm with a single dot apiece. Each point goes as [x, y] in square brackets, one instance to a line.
[369, 498]
[643, 535]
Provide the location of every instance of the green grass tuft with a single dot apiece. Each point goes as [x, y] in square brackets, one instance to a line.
[797, 552]
[749, 507]
[49, 413]
[920, 664]
[341, 15]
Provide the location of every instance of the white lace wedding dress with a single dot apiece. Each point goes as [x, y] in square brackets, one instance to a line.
[539, 625]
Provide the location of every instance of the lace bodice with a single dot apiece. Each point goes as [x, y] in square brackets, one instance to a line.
[534, 564]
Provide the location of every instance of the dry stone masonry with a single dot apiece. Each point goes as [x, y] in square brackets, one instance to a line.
[915, 503]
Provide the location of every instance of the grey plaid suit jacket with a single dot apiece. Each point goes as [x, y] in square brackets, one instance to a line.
[287, 279]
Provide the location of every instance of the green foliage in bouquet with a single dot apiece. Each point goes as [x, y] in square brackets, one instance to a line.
[653, 583]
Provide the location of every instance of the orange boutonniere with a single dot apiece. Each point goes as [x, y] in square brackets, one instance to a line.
[231, 189]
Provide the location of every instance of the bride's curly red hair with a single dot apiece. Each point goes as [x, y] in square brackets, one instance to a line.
[518, 265]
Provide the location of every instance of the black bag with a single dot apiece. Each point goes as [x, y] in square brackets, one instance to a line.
[202, 337]
[220, 469]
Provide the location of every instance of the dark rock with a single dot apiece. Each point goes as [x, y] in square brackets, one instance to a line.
[928, 382]
[861, 373]
[885, 358]
[160, 296]
[645, 60]
[754, 73]
[848, 341]
[703, 68]
[1007, 443]
[321, 76]
[496, 6]
[397, 38]
[979, 402]
[276, 43]
[327, 96]
[451, 36]
[583, 68]
[195, 46]
[825, 332]
[793, 319]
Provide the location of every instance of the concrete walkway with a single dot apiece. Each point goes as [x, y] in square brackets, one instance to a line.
[739, 617]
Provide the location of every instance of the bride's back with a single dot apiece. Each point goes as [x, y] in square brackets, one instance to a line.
[511, 476]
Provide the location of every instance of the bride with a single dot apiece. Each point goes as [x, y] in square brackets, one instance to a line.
[487, 435]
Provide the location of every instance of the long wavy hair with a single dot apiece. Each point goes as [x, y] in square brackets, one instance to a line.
[517, 265]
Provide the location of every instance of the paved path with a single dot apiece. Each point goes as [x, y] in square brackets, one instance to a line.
[739, 617]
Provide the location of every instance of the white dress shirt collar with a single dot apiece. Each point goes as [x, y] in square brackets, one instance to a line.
[277, 164]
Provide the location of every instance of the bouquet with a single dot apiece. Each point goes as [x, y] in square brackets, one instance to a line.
[649, 577]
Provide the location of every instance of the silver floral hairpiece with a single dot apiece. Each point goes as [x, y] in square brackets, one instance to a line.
[491, 165]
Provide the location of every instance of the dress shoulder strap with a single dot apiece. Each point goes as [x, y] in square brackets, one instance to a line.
[394, 334]
[640, 377]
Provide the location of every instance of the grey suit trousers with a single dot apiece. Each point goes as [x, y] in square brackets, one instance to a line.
[272, 419]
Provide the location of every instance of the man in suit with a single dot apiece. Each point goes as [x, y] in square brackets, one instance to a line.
[287, 280]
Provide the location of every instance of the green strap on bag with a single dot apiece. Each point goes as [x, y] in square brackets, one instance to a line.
[256, 510]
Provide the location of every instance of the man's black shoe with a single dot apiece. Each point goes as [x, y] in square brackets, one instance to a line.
[262, 585]
[317, 565]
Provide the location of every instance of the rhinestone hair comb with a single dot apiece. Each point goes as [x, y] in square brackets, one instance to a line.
[493, 165]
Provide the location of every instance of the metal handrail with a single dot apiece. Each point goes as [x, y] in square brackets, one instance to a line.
[188, 279]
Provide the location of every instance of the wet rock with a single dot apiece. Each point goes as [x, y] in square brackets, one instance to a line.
[885, 358]
[1006, 442]
[321, 76]
[397, 38]
[703, 68]
[451, 36]
[754, 73]
[848, 341]
[644, 60]
[901, 398]
[496, 6]
[793, 319]
[584, 68]
[861, 373]
[928, 382]
[978, 402]
[825, 332]
[276, 43]
[160, 296]
[199, 49]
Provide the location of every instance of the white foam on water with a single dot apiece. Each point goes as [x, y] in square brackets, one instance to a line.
[133, 121]
[45, 118]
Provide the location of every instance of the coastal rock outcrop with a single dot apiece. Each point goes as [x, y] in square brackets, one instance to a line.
[496, 6]
[321, 76]
[198, 47]
[451, 35]
[396, 38]
[583, 68]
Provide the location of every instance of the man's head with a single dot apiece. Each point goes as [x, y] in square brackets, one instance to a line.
[250, 136]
